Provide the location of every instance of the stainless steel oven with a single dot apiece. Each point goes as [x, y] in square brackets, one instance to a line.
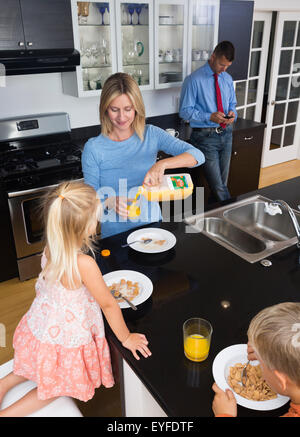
[27, 225]
[36, 153]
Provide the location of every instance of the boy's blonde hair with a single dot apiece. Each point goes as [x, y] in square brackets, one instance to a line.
[70, 217]
[115, 86]
[274, 334]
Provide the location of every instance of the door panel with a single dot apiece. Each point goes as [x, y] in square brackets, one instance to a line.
[280, 143]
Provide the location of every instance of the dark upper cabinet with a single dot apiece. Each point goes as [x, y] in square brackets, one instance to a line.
[35, 25]
[235, 24]
[11, 27]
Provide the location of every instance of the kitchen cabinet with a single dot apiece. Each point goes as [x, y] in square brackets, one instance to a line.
[247, 144]
[203, 20]
[94, 37]
[170, 54]
[32, 25]
[235, 24]
[135, 40]
[148, 39]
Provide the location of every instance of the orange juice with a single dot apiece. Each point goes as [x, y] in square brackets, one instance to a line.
[196, 347]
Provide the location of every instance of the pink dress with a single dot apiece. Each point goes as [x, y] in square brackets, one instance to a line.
[60, 343]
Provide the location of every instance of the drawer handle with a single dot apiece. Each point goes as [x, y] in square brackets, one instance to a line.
[248, 138]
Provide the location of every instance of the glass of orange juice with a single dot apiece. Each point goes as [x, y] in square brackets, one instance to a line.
[133, 208]
[196, 338]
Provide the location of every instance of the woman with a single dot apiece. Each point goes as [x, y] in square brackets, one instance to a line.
[123, 157]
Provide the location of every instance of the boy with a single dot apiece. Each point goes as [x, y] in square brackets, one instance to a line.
[274, 340]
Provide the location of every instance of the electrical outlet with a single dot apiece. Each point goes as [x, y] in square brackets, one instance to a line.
[175, 102]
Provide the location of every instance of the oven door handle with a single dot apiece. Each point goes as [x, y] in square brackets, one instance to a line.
[34, 190]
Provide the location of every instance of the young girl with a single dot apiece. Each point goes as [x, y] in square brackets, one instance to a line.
[60, 342]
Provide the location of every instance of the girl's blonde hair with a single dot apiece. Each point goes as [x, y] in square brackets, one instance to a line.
[115, 86]
[70, 213]
[274, 334]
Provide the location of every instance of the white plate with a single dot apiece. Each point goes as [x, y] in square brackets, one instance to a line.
[229, 357]
[145, 284]
[155, 234]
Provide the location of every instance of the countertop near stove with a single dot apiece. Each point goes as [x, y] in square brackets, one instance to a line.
[81, 135]
[193, 279]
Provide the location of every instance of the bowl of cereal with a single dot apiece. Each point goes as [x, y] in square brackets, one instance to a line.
[256, 393]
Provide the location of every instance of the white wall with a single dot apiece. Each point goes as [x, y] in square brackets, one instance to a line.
[277, 5]
[40, 93]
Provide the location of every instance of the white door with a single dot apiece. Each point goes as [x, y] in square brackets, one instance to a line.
[282, 131]
[250, 92]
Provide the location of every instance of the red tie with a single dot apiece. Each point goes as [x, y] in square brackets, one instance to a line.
[219, 99]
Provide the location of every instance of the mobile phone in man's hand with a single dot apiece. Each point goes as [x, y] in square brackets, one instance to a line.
[228, 116]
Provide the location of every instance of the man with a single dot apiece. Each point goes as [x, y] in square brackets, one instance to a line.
[208, 102]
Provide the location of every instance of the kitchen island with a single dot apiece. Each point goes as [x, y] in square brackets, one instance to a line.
[197, 278]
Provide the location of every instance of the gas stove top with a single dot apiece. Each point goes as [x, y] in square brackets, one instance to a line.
[33, 154]
[31, 161]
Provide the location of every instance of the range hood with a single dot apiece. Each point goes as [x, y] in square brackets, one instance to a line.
[40, 61]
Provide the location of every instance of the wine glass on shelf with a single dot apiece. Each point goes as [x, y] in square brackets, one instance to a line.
[138, 9]
[102, 9]
[131, 12]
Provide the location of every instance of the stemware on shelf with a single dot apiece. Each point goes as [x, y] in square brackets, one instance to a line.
[131, 12]
[138, 9]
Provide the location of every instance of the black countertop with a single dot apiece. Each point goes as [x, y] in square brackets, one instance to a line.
[192, 279]
[81, 135]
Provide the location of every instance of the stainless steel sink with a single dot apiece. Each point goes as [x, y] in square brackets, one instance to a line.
[253, 218]
[246, 229]
[225, 232]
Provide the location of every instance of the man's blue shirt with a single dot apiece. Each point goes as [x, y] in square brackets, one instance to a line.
[198, 96]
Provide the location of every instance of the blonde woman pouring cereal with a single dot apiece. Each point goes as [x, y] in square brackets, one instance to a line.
[123, 156]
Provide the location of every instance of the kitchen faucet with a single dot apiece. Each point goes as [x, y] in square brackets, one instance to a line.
[283, 204]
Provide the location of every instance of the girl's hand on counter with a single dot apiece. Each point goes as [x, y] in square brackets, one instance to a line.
[137, 342]
[224, 402]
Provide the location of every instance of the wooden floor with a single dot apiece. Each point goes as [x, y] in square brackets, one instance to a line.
[16, 297]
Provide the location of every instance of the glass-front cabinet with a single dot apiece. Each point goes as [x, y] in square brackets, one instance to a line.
[203, 22]
[158, 42]
[135, 40]
[170, 42]
[94, 38]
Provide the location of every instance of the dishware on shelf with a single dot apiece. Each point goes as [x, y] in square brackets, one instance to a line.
[84, 9]
[168, 56]
[130, 8]
[205, 55]
[196, 338]
[138, 9]
[196, 55]
[139, 76]
[102, 9]
[166, 19]
[134, 50]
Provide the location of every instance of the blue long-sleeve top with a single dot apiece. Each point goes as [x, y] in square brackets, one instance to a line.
[198, 96]
[118, 168]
